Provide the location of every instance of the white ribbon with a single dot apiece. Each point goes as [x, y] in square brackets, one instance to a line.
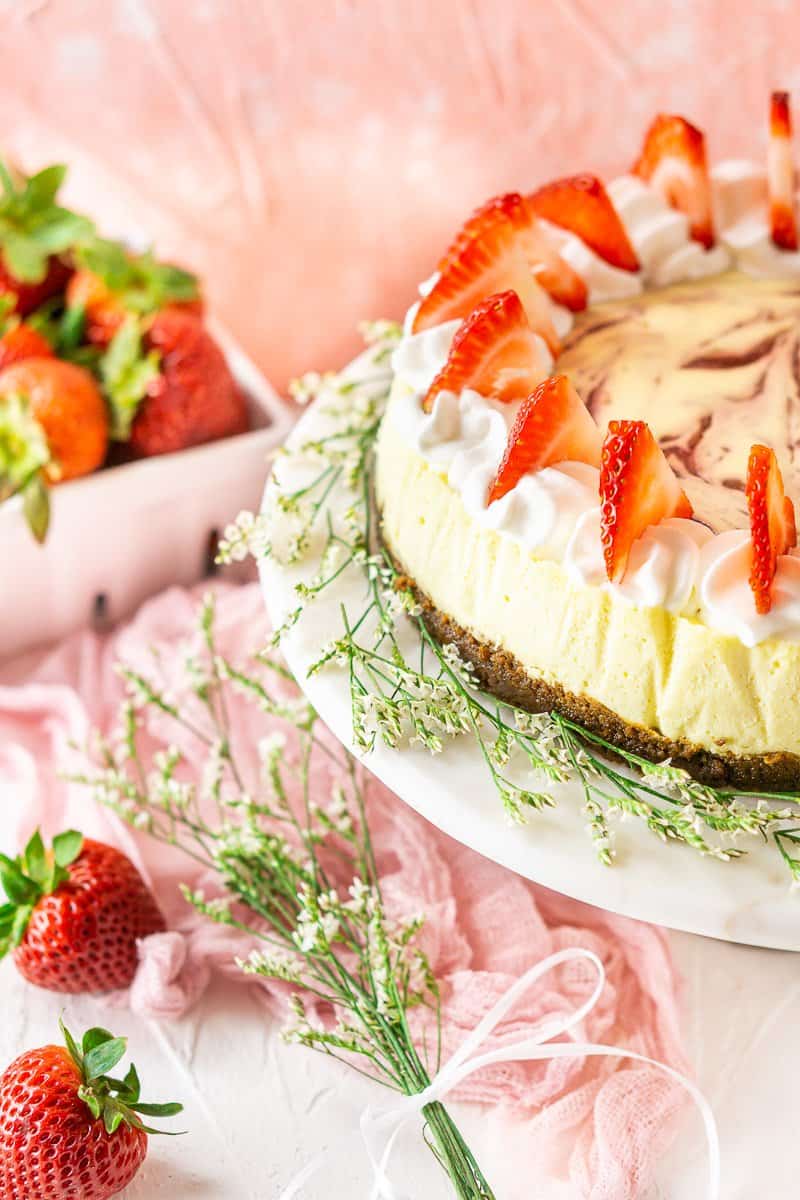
[379, 1128]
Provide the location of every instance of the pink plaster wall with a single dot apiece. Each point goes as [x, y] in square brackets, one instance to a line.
[310, 157]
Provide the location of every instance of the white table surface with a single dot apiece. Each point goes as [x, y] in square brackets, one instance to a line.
[256, 1109]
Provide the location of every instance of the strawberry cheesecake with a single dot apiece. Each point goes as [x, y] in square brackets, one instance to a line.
[587, 463]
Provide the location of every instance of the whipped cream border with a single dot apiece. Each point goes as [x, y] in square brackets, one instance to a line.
[679, 565]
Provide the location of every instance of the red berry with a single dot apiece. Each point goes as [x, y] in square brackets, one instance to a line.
[492, 262]
[637, 488]
[553, 425]
[82, 936]
[195, 398]
[554, 274]
[673, 161]
[772, 523]
[581, 205]
[68, 1129]
[495, 352]
[781, 174]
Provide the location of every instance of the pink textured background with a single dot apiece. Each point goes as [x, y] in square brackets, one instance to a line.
[310, 157]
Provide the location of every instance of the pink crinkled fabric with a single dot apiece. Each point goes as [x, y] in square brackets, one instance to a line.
[600, 1122]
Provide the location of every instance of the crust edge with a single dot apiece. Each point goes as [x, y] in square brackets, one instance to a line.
[504, 676]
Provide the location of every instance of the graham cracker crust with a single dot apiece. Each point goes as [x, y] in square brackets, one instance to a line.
[502, 675]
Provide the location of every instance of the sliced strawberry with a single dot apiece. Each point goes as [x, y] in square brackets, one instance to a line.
[495, 352]
[637, 488]
[491, 263]
[553, 272]
[772, 523]
[781, 174]
[673, 161]
[553, 425]
[581, 205]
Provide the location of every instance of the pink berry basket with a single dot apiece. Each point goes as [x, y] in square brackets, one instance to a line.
[126, 532]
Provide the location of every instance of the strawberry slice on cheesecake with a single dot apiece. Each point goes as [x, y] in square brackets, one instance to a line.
[773, 530]
[581, 205]
[496, 352]
[637, 488]
[553, 425]
[673, 161]
[781, 174]
[489, 263]
[553, 272]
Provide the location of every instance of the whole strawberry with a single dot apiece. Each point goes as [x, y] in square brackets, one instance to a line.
[67, 1130]
[75, 914]
[194, 398]
[168, 385]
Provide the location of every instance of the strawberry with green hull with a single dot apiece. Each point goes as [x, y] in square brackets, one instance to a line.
[75, 914]
[169, 385]
[68, 1129]
[110, 283]
[35, 235]
[53, 427]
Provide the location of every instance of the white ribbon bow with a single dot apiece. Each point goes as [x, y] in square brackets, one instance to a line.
[379, 1128]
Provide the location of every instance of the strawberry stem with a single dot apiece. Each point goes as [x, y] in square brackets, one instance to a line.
[114, 1101]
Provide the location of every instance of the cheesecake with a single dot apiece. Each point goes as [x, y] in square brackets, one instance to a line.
[586, 467]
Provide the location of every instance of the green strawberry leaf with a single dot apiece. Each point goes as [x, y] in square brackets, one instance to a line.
[92, 1101]
[110, 260]
[126, 371]
[142, 283]
[95, 1037]
[104, 1057]
[112, 1118]
[24, 257]
[131, 1086]
[34, 859]
[42, 188]
[71, 329]
[8, 914]
[21, 919]
[59, 230]
[158, 1110]
[18, 888]
[23, 445]
[75, 1052]
[36, 507]
[67, 846]
[100, 1052]
[33, 226]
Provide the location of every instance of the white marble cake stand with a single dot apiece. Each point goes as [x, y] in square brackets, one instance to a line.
[747, 900]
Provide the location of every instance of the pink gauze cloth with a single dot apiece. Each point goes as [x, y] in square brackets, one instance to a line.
[600, 1122]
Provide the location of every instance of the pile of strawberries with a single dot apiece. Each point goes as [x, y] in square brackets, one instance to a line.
[499, 277]
[104, 355]
[74, 915]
